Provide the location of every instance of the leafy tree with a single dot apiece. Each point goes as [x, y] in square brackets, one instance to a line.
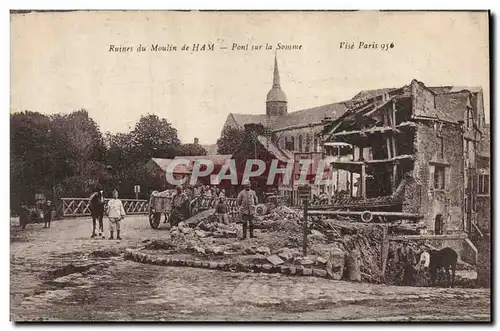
[154, 137]
[229, 141]
[191, 149]
[31, 160]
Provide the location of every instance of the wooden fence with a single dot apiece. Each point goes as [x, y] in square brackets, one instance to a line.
[81, 206]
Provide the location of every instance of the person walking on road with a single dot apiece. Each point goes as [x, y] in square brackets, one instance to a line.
[247, 200]
[116, 213]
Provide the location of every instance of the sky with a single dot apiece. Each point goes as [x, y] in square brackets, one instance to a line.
[60, 62]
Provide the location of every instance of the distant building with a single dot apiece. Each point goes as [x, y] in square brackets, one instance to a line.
[297, 131]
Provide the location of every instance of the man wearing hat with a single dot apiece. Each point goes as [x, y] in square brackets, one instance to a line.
[116, 213]
[247, 200]
[47, 213]
[180, 204]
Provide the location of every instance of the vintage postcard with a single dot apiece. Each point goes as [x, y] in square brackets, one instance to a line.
[250, 166]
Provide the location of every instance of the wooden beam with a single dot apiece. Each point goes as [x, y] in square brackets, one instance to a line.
[389, 154]
[363, 181]
[429, 237]
[384, 251]
[375, 213]
[394, 152]
[393, 113]
[351, 189]
[394, 174]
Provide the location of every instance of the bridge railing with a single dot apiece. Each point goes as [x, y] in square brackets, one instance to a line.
[81, 206]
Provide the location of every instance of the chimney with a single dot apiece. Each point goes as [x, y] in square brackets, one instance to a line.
[196, 140]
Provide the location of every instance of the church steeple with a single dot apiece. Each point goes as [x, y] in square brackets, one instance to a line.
[276, 102]
[276, 77]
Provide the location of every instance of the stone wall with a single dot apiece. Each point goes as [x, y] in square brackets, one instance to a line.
[423, 100]
[448, 201]
[484, 262]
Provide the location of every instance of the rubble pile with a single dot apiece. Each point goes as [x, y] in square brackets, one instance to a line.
[281, 218]
[363, 245]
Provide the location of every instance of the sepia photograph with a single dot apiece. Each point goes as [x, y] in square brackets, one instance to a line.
[250, 166]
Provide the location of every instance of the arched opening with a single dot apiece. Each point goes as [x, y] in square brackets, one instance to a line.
[438, 224]
[300, 143]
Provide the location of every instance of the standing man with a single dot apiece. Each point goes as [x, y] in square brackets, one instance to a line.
[116, 213]
[47, 213]
[247, 200]
[179, 212]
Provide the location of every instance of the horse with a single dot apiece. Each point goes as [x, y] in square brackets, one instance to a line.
[443, 258]
[97, 211]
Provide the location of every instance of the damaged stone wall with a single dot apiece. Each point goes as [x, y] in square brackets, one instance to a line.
[423, 100]
[431, 155]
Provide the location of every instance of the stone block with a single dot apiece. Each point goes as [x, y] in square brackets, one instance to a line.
[307, 271]
[275, 260]
[319, 272]
[263, 250]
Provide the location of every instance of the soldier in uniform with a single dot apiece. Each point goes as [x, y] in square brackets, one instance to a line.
[247, 200]
[179, 204]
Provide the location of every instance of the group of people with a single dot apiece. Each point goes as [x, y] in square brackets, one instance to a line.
[115, 211]
[246, 199]
[27, 214]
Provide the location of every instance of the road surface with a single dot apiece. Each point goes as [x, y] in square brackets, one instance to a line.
[56, 276]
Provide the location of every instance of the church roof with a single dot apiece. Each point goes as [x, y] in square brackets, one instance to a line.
[300, 117]
[309, 116]
[281, 154]
[276, 94]
[242, 119]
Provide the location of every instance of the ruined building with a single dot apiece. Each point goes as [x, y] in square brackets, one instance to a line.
[412, 149]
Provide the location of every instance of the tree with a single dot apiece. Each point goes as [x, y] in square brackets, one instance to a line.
[229, 141]
[154, 137]
[191, 149]
[31, 160]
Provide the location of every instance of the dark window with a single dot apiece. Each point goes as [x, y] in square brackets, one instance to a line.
[483, 184]
[439, 177]
[300, 143]
[308, 143]
[438, 224]
[289, 144]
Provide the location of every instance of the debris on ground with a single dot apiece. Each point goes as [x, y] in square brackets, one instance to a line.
[107, 252]
[159, 244]
[263, 250]
[341, 246]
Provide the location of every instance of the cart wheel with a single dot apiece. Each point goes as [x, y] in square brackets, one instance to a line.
[154, 220]
[261, 209]
[366, 216]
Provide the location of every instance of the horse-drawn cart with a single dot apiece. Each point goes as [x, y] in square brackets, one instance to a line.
[161, 207]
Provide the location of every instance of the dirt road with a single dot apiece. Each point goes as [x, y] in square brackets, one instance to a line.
[55, 276]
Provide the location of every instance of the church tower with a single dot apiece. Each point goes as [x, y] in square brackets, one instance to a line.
[276, 102]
